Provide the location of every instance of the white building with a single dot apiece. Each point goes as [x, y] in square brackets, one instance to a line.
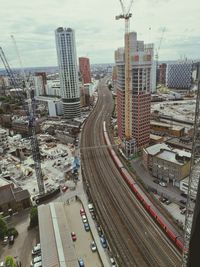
[53, 88]
[68, 71]
[55, 105]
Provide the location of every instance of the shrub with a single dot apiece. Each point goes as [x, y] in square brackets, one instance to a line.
[12, 231]
[33, 217]
[9, 261]
[3, 228]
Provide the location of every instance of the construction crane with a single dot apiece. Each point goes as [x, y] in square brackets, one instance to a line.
[157, 52]
[30, 111]
[126, 15]
[192, 219]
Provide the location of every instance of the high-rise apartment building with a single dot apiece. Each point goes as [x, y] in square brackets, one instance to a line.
[162, 73]
[141, 60]
[84, 67]
[179, 75]
[68, 71]
[40, 80]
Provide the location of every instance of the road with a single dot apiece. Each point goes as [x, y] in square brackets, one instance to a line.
[134, 238]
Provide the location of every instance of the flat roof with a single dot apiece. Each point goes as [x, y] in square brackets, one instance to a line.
[174, 127]
[55, 238]
[169, 156]
[155, 137]
[153, 150]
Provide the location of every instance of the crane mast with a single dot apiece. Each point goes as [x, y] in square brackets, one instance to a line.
[192, 219]
[126, 15]
[30, 111]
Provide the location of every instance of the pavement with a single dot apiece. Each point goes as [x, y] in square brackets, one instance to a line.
[22, 247]
[79, 193]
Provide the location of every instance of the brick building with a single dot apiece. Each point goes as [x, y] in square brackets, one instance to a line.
[141, 84]
[84, 67]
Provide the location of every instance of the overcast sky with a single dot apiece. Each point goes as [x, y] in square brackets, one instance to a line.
[98, 34]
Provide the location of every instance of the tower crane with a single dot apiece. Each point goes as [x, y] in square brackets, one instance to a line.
[30, 111]
[192, 218]
[157, 52]
[126, 15]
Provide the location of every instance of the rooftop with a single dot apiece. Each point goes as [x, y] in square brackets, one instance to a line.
[169, 156]
[153, 150]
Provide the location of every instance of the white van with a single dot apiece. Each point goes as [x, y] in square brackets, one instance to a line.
[38, 264]
[36, 259]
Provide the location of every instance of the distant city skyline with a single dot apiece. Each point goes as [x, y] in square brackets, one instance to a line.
[98, 34]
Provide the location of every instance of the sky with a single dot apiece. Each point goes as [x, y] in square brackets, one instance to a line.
[97, 32]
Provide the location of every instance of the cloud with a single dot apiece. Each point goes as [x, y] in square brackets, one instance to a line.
[98, 34]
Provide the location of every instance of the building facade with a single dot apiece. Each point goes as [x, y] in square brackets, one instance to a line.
[40, 80]
[84, 67]
[141, 61]
[162, 73]
[179, 75]
[3, 140]
[68, 71]
[171, 166]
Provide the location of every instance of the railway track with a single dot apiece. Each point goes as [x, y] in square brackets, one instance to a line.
[134, 237]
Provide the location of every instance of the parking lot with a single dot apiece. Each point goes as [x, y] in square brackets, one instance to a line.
[173, 208]
[84, 238]
[21, 249]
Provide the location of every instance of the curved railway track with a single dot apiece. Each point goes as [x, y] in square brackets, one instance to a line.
[134, 237]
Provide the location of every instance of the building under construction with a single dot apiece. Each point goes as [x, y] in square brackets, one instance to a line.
[141, 61]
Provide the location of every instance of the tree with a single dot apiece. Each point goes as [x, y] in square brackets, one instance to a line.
[3, 228]
[9, 261]
[33, 217]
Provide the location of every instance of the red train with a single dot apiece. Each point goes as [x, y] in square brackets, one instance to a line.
[138, 191]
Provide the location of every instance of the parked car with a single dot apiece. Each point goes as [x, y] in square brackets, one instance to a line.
[11, 240]
[162, 184]
[163, 199]
[82, 212]
[184, 195]
[168, 202]
[73, 235]
[182, 202]
[183, 211]
[36, 249]
[36, 259]
[81, 263]
[103, 242]
[93, 246]
[113, 262]
[38, 264]
[87, 227]
[84, 219]
[64, 188]
[5, 240]
[156, 181]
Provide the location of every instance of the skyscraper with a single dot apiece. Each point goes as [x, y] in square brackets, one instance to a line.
[141, 60]
[84, 67]
[68, 71]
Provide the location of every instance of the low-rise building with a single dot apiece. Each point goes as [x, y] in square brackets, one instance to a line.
[14, 198]
[171, 166]
[150, 152]
[169, 129]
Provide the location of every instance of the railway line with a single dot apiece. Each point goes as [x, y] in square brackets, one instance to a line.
[133, 236]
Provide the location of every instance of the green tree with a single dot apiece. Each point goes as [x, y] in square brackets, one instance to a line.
[9, 261]
[33, 217]
[3, 228]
